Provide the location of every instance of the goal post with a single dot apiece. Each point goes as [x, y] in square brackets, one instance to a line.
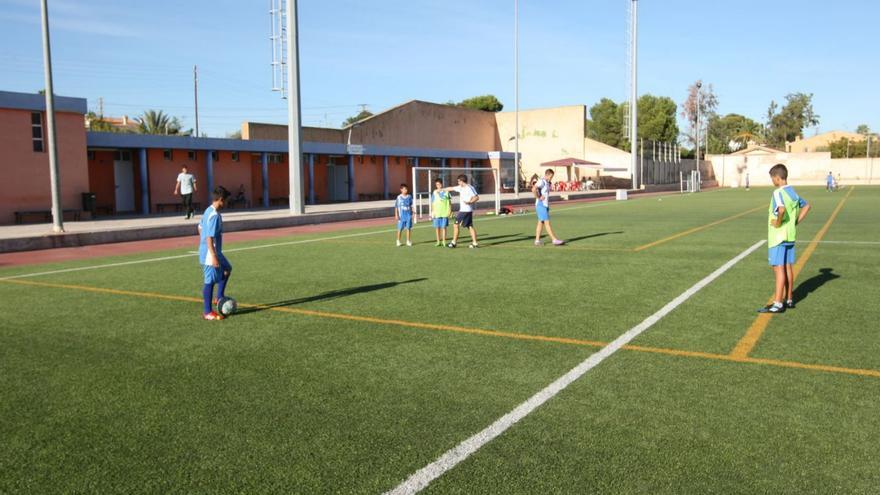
[484, 179]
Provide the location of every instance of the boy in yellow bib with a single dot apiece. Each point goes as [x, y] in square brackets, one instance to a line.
[441, 210]
[787, 210]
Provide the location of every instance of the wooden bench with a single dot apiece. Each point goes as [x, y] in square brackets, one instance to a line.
[45, 215]
[178, 207]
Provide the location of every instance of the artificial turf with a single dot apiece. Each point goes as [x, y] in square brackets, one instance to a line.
[122, 392]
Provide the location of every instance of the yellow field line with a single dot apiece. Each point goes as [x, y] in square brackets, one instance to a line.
[694, 230]
[473, 331]
[748, 342]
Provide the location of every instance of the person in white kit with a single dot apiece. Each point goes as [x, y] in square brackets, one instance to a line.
[186, 186]
[468, 197]
[541, 190]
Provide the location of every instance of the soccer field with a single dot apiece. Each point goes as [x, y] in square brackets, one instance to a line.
[354, 364]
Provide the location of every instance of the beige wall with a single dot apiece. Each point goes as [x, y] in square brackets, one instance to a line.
[544, 135]
[823, 140]
[608, 156]
[803, 168]
[419, 124]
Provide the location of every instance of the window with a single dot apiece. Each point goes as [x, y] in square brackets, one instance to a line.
[191, 155]
[168, 154]
[37, 130]
[274, 158]
[90, 155]
[235, 156]
[122, 155]
[411, 162]
[215, 155]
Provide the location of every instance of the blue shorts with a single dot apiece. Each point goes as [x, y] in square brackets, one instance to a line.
[441, 223]
[405, 223]
[543, 212]
[214, 275]
[782, 254]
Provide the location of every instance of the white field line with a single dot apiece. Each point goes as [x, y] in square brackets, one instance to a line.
[423, 477]
[286, 243]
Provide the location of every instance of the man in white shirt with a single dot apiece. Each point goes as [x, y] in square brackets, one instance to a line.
[468, 197]
[541, 190]
[186, 186]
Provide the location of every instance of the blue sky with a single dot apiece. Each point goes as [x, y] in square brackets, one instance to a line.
[139, 55]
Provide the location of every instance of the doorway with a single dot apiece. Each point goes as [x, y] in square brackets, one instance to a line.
[337, 178]
[123, 178]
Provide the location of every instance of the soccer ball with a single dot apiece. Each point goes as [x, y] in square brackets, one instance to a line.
[227, 306]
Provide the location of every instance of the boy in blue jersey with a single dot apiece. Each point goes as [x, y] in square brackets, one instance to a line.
[829, 182]
[787, 210]
[403, 214]
[215, 266]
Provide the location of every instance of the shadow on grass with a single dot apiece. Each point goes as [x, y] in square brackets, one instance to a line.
[585, 237]
[813, 283]
[333, 294]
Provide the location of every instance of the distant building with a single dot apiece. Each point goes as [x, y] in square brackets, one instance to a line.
[821, 142]
[134, 173]
[124, 123]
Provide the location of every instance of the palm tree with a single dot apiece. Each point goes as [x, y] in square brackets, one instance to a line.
[158, 122]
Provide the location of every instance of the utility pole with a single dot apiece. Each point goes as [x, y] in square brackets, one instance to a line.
[101, 106]
[516, 163]
[196, 95]
[54, 174]
[294, 128]
[633, 106]
[697, 125]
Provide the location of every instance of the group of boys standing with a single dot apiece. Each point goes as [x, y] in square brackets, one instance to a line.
[441, 211]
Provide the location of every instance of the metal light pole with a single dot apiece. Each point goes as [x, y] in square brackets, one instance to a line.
[54, 174]
[516, 97]
[633, 106]
[294, 128]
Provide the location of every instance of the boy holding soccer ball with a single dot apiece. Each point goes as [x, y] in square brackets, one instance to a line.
[787, 210]
[541, 190]
[215, 266]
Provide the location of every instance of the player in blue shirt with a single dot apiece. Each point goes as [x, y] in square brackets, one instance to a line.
[215, 266]
[829, 182]
[403, 214]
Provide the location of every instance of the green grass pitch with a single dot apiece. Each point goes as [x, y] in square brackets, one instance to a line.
[354, 363]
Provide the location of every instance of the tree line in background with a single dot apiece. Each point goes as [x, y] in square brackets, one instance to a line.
[728, 133]
[150, 122]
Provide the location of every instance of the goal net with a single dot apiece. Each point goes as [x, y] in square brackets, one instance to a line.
[690, 181]
[483, 179]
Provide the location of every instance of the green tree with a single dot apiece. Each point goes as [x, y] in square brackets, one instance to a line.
[487, 103]
[657, 118]
[863, 129]
[363, 114]
[789, 122]
[96, 123]
[606, 123]
[158, 122]
[732, 132]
